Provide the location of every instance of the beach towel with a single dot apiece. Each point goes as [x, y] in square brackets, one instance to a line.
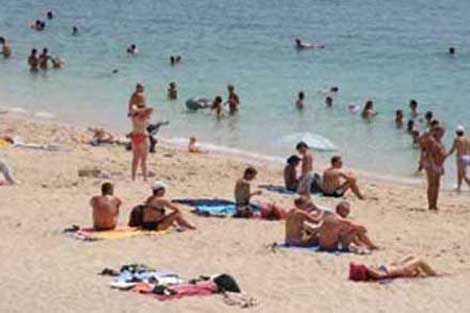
[205, 288]
[210, 207]
[277, 189]
[313, 249]
[88, 234]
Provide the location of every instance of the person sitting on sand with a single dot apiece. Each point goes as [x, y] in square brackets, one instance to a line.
[105, 208]
[44, 59]
[193, 146]
[306, 174]
[300, 100]
[290, 173]
[233, 100]
[243, 193]
[408, 267]
[297, 232]
[172, 93]
[139, 139]
[6, 49]
[101, 136]
[33, 61]
[368, 112]
[336, 182]
[154, 215]
[461, 145]
[217, 106]
[337, 231]
[399, 118]
[414, 108]
[132, 50]
[137, 98]
[6, 172]
[329, 102]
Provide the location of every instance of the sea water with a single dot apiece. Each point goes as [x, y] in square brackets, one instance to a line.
[388, 51]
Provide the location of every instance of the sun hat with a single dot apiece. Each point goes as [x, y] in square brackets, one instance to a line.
[158, 185]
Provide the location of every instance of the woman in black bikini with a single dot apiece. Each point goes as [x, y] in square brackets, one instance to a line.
[154, 214]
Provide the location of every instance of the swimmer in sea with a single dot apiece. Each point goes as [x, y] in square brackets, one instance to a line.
[429, 116]
[6, 50]
[329, 102]
[334, 89]
[43, 59]
[233, 100]
[414, 108]
[300, 45]
[452, 51]
[57, 62]
[217, 106]
[50, 15]
[33, 61]
[368, 112]
[300, 100]
[38, 25]
[172, 93]
[461, 145]
[132, 49]
[75, 30]
[399, 118]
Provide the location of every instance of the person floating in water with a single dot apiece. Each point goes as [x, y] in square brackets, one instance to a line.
[461, 145]
[172, 93]
[300, 100]
[6, 49]
[300, 45]
[132, 50]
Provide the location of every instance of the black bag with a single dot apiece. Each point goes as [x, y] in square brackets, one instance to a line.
[137, 216]
[226, 282]
[316, 184]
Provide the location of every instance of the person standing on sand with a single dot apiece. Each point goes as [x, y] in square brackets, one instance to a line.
[139, 139]
[33, 61]
[306, 174]
[6, 50]
[105, 208]
[233, 100]
[137, 98]
[336, 182]
[462, 147]
[432, 160]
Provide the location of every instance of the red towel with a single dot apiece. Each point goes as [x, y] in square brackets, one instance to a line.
[205, 288]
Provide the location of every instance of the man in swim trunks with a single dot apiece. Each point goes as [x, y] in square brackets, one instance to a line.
[290, 173]
[6, 50]
[233, 100]
[336, 182]
[33, 61]
[137, 98]
[44, 59]
[433, 155]
[297, 232]
[243, 193]
[306, 174]
[105, 208]
[139, 139]
[461, 145]
[154, 214]
[339, 232]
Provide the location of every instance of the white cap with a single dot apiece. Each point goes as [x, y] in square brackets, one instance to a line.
[460, 129]
[158, 185]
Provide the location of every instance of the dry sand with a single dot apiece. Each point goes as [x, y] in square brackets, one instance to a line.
[42, 271]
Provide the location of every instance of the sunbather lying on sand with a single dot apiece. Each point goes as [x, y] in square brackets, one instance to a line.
[101, 136]
[154, 214]
[297, 232]
[408, 267]
[339, 232]
[105, 208]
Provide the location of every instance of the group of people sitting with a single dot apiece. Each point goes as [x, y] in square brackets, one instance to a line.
[151, 215]
[335, 182]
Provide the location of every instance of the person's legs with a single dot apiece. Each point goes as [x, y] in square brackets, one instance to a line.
[153, 143]
[5, 170]
[143, 158]
[170, 219]
[364, 238]
[135, 160]
[460, 173]
[430, 188]
[435, 191]
[354, 188]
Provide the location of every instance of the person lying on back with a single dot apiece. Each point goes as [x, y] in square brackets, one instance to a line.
[105, 208]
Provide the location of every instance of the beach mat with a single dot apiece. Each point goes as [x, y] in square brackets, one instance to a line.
[313, 249]
[210, 207]
[277, 189]
[88, 234]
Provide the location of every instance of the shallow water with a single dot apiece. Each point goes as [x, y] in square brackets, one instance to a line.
[390, 51]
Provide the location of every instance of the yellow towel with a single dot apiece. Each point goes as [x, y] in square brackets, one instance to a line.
[4, 143]
[126, 233]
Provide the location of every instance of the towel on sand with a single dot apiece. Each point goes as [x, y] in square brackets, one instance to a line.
[210, 207]
[205, 288]
[88, 234]
[277, 189]
[314, 249]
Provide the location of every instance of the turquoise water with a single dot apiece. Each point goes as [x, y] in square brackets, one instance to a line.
[390, 51]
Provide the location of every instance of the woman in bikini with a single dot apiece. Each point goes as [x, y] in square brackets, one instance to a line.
[154, 214]
[139, 139]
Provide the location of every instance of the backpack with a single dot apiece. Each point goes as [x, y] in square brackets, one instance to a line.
[136, 216]
[226, 282]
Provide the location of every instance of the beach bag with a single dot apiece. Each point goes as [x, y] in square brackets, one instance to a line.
[316, 184]
[226, 282]
[137, 215]
[358, 272]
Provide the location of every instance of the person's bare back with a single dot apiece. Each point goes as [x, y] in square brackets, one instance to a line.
[462, 146]
[105, 211]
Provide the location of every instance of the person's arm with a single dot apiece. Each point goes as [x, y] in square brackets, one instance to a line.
[452, 150]
[170, 205]
[309, 218]
[317, 216]
[93, 202]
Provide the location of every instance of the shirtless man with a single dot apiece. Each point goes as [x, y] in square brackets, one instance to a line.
[336, 182]
[433, 155]
[6, 50]
[300, 100]
[337, 230]
[137, 98]
[233, 100]
[154, 214]
[291, 181]
[44, 59]
[243, 193]
[297, 234]
[172, 93]
[306, 173]
[105, 208]
[462, 147]
[139, 139]
[33, 61]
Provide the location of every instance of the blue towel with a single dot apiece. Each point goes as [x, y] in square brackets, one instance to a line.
[277, 189]
[203, 202]
[216, 210]
[309, 249]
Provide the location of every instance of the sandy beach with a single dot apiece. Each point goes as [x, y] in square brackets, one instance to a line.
[43, 271]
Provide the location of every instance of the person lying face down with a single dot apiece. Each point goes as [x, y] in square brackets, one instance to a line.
[155, 216]
[105, 208]
[297, 232]
[339, 232]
